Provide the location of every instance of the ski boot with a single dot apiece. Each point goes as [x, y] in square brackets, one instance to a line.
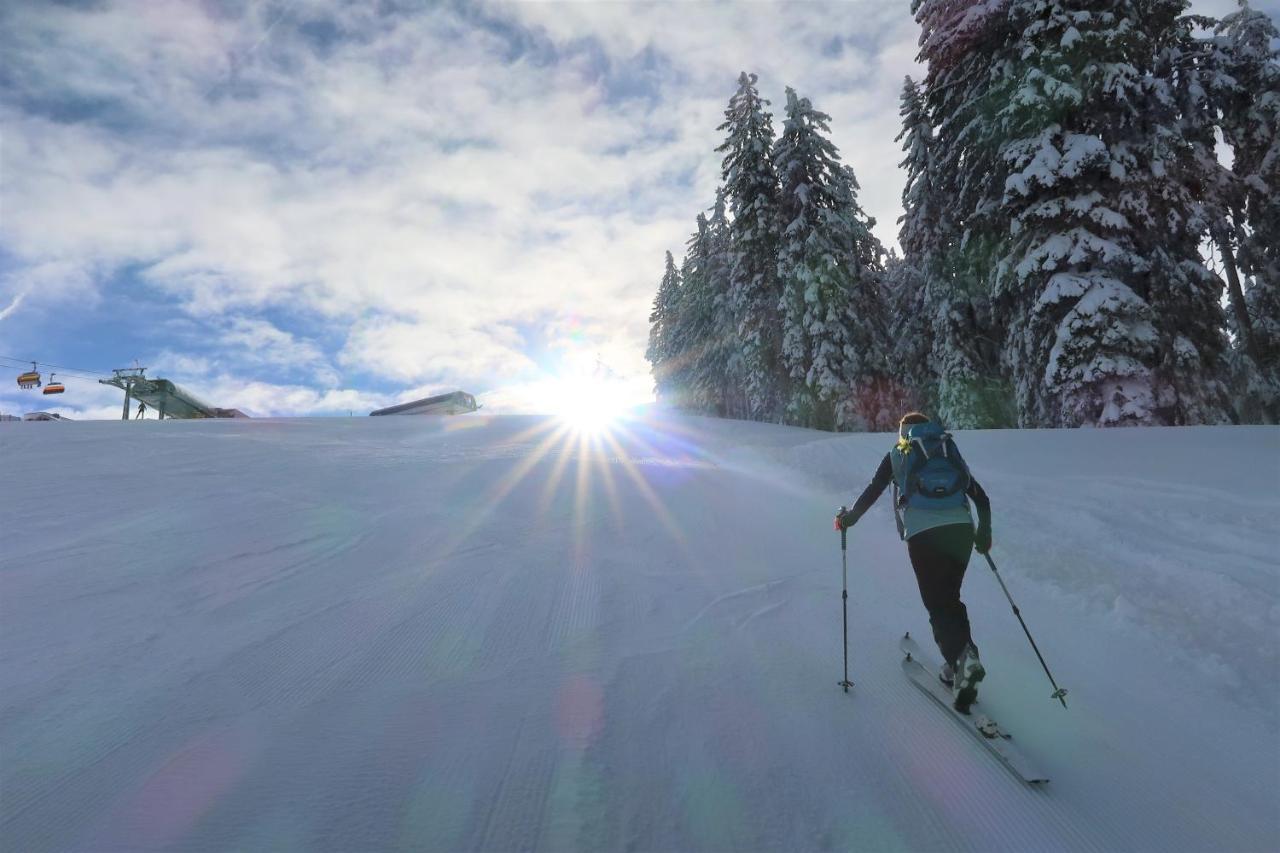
[968, 673]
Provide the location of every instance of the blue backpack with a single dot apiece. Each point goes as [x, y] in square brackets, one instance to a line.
[928, 470]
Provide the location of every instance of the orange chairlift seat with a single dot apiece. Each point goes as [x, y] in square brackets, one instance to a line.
[30, 379]
[54, 387]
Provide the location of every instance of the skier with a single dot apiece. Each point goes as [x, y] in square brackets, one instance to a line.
[932, 486]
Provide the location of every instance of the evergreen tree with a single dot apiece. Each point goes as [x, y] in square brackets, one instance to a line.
[954, 226]
[1112, 319]
[909, 329]
[694, 331]
[751, 188]
[826, 265]
[873, 405]
[723, 368]
[662, 320]
[1244, 81]
[1251, 127]
[922, 219]
[911, 381]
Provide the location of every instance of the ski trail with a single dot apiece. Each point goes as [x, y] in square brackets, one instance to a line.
[732, 597]
[351, 644]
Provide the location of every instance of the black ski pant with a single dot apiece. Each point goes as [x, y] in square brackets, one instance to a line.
[940, 556]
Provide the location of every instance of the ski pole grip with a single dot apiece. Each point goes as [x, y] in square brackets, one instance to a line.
[844, 532]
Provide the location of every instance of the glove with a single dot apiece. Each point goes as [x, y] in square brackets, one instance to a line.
[982, 539]
[845, 520]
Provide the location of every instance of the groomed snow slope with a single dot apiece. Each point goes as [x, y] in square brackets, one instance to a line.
[482, 633]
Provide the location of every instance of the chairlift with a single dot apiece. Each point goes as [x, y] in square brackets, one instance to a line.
[30, 379]
[54, 387]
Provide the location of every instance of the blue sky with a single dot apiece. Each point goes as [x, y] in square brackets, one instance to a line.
[316, 207]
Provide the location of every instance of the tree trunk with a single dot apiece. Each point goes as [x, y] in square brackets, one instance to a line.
[1237, 293]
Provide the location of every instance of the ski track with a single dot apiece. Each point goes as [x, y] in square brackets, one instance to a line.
[412, 634]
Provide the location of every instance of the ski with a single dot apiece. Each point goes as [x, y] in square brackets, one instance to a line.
[988, 732]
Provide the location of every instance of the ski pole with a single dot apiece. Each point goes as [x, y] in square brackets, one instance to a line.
[1059, 693]
[844, 597]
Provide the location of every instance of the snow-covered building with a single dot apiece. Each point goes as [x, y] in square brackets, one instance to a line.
[453, 403]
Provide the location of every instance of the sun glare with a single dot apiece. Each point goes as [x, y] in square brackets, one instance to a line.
[590, 402]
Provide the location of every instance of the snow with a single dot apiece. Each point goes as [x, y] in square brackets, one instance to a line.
[486, 633]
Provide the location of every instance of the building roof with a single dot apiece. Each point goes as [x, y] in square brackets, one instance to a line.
[416, 404]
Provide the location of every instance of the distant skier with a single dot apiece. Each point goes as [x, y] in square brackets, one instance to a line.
[931, 487]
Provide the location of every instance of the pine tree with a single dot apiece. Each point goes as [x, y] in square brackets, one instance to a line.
[920, 229]
[1251, 126]
[751, 188]
[922, 220]
[954, 226]
[828, 266]
[694, 331]
[913, 384]
[723, 368]
[804, 160]
[661, 351]
[1112, 317]
[1244, 82]
[873, 405]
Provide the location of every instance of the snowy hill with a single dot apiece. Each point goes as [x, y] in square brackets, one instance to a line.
[484, 633]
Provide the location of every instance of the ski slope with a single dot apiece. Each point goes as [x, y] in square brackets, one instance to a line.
[490, 633]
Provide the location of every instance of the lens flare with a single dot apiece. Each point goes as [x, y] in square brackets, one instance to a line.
[589, 401]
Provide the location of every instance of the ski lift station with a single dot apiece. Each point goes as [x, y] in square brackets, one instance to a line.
[165, 398]
[454, 403]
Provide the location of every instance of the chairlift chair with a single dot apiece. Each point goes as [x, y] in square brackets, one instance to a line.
[30, 379]
[54, 387]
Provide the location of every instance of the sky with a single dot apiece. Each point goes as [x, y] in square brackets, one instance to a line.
[321, 208]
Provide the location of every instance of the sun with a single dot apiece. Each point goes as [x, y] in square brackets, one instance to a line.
[591, 400]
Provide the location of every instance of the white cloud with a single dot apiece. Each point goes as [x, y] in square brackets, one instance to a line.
[14, 304]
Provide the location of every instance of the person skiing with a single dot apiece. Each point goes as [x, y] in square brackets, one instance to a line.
[932, 487]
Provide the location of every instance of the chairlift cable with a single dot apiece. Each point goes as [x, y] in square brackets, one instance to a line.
[25, 361]
[20, 371]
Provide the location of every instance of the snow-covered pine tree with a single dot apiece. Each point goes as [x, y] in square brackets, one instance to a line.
[828, 346]
[751, 188]
[1112, 318]
[662, 320]
[873, 405]
[723, 370]
[694, 329]
[908, 330]
[1196, 68]
[912, 384]
[953, 225]
[921, 222]
[1193, 370]
[1244, 77]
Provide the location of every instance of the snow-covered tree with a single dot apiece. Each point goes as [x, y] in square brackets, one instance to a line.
[694, 331]
[1112, 319]
[921, 222]
[953, 227]
[662, 321]
[912, 384]
[828, 265]
[1243, 74]
[723, 369]
[751, 188]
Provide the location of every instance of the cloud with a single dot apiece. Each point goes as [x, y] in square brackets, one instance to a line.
[14, 304]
